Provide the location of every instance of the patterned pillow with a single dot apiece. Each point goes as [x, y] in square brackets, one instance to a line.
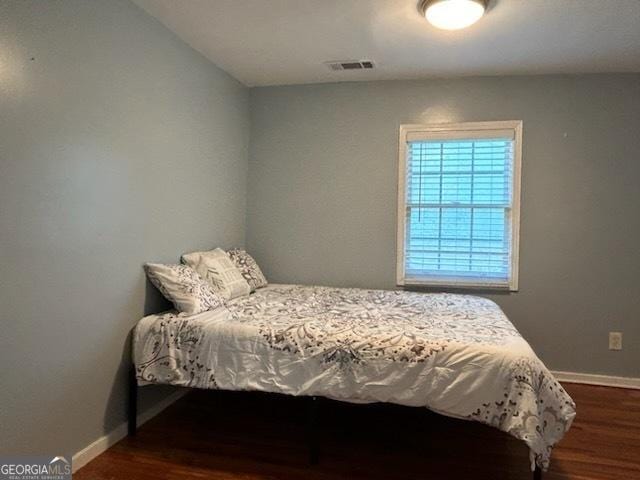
[248, 268]
[183, 287]
[217, 268]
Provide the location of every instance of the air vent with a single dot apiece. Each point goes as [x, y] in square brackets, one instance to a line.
[350, 65]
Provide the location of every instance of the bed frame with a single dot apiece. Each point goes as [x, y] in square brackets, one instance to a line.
[312, 421]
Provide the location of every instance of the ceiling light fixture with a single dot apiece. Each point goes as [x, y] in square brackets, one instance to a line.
[452, 14]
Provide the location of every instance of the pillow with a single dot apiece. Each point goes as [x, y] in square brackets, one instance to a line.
[183, 287]
[248, 268]
[219, 270]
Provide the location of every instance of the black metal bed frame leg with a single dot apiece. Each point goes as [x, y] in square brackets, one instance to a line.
[312, 427]
[132, 412]
[537, 473]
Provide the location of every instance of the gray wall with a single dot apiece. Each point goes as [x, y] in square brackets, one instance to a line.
[118, 145]
[322, 196]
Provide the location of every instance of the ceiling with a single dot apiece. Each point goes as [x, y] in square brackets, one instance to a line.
[277, 42]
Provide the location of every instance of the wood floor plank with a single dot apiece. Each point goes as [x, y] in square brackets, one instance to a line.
[253, 436]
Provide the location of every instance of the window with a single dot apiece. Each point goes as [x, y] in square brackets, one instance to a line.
[458, 204]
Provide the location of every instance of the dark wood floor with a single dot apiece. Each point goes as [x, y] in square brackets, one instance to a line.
[250, 436]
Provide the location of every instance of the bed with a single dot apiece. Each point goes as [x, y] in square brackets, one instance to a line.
[457, 355]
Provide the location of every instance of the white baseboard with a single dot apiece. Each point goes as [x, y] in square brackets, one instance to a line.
[603, 380]
[84, 456]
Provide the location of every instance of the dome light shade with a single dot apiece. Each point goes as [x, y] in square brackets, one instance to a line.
[453, 14]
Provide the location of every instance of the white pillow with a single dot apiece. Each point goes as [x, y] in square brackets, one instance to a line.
[183, 287]
[220, 271]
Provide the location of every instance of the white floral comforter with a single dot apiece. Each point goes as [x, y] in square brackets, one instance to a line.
[455, 354]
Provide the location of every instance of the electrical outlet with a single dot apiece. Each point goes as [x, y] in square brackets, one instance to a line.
[615, 340]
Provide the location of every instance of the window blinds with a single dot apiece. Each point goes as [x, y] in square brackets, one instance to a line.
[459, 207]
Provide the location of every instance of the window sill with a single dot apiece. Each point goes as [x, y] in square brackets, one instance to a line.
[456, 284]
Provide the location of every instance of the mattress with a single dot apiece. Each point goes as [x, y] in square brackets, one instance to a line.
[457, 355]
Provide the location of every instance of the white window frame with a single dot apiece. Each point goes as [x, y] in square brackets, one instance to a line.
[459, 130]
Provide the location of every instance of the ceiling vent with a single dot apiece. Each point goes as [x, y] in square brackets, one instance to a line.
[350, 65]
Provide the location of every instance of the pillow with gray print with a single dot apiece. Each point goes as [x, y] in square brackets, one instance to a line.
[248, 268]
[218, 269]
[182, 286]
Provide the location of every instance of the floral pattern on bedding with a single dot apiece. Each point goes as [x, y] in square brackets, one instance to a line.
[173, 358]
[354, 325]
[458, 355]
[534, 423]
